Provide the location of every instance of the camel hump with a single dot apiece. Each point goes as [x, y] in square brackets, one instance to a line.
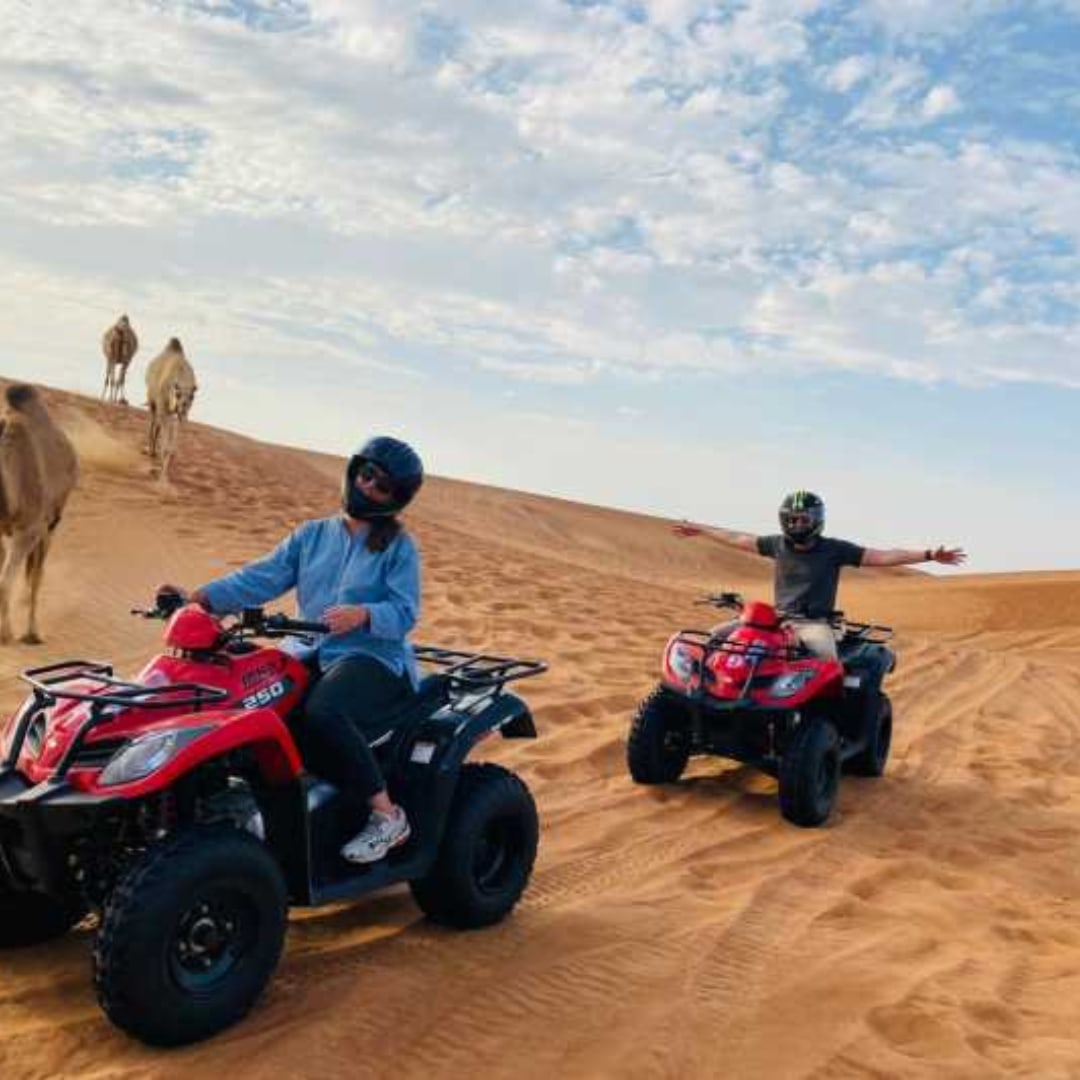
[20, 395]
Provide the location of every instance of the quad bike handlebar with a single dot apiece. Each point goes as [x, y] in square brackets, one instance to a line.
[252, 621]
[472, 670]
[873, 633]
[256, 621]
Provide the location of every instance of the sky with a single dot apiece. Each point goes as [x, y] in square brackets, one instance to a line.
[673, 256]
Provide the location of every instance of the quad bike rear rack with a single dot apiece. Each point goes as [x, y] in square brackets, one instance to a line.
[864, 633]
[472, 672]
[53, 683]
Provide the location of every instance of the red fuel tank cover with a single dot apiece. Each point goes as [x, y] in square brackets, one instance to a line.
[192, 629]
[758, 613]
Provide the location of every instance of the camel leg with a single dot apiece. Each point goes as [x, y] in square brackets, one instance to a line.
[108, 382]
[120, 387]
[18, 549]
[35, 572]
[170, 431]
[153, 433]
[5, 547]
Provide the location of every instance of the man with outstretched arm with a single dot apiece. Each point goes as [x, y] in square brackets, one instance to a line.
[808, 564]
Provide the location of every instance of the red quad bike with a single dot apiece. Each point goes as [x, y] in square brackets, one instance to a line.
[753, 694]
[177, 807]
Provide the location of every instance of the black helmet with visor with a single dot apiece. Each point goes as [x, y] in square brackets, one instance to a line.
[394, 466]
[802, 517]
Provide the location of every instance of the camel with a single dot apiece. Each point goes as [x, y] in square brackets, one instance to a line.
[170, 390]
[38, 469]
[119, 345]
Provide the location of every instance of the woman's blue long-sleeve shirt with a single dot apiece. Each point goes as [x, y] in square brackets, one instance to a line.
[328, 565]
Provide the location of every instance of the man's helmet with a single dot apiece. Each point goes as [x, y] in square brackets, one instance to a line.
[403, 467]
[802, 517]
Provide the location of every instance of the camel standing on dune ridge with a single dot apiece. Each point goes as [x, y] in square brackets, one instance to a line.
[38, 469]
[119, 346]
[170, 390]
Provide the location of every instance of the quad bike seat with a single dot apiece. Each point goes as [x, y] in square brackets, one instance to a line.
[402, 719]
[401, 723]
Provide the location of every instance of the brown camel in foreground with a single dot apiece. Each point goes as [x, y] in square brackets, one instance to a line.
[119, 346]
[38, 469]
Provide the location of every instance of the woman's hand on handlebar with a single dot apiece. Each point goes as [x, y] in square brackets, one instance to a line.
[164, 593]
[341, 618]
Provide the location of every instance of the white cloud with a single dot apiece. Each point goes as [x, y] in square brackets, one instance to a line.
[848, 73]
[935, 19]
[892, 98]
[940, 101]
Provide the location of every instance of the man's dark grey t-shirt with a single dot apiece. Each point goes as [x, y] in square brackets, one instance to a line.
[805, 581]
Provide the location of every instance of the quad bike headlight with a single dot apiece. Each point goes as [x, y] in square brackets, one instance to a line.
[683, 664]
[147, 754]
[790, 683]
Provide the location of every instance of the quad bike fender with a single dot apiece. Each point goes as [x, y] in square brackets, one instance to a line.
[514, 720]
[872, 667]
[505, 714]
[261, 731]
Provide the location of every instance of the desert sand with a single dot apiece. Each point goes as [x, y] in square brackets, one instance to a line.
[931, 929]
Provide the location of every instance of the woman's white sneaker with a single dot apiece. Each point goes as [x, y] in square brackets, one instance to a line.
[381, 834]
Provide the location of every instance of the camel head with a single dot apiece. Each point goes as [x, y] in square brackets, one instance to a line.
[122, 321]
[181, 397]
[24, 399]
[175, 346]
[20, 395]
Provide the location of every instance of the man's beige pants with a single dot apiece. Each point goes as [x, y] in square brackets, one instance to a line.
[817, 635]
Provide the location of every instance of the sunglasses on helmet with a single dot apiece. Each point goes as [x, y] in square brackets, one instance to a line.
[370, 473]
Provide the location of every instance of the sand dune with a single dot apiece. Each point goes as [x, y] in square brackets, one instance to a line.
[932, 929]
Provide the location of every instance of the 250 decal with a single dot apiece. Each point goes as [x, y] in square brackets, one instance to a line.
[265, 695]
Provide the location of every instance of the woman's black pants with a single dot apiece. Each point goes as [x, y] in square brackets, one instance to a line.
[342, 717]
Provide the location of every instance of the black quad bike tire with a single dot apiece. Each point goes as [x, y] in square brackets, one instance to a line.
[877, 717]
[658, 746]
[30, 918]
[487, 852]
[210, 895]
[810, 773]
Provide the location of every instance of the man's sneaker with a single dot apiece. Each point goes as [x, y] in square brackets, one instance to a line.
[379, 835]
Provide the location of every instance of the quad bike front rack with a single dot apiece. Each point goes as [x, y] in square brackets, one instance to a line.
[53, 683]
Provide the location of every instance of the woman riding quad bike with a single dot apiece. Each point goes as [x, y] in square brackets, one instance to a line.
[359, 572]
